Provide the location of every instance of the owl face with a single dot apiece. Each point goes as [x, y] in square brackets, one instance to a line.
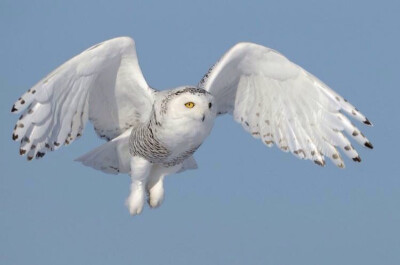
[186, 116]
[190, 104]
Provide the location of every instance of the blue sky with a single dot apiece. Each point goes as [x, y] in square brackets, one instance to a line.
[246, 204]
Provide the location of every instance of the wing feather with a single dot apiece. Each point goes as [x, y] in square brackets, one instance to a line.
[281, 103]
[103, 84]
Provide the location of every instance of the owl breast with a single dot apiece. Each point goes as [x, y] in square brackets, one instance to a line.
[182, 137]
[169, 143]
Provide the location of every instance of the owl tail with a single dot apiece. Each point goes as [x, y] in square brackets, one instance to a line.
[112, 157]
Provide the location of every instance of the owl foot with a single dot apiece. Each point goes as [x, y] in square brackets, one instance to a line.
[156, 194]
[136, 198]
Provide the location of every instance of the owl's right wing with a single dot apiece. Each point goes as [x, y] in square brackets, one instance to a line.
[103, 84]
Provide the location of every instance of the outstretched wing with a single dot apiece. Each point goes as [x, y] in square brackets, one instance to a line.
[103, 84]
[279, 102]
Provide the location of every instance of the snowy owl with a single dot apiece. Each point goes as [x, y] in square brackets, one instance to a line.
[151, 133]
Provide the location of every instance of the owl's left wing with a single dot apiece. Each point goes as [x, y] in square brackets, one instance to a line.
[281, 103]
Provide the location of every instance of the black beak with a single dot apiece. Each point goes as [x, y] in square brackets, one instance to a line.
[204, 116]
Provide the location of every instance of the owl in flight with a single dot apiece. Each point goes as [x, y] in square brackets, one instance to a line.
[151, 133]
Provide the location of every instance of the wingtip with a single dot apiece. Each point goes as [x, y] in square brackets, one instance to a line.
[357, 159]
[40, 155]
[369, 145]
[367, 122]
[14, 109]
[320, 163]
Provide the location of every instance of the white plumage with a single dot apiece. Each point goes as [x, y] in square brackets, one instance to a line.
[154, 133]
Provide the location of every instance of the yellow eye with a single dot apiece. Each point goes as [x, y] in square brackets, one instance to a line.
[189, 105]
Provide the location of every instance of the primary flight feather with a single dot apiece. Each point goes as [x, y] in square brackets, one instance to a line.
[153, 133]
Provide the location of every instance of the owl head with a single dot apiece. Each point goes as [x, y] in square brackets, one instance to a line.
[186, 104]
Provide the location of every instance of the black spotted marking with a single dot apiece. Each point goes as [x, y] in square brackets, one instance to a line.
[33, 91]
[267, 122]
[30, 158]
[369, 145]
[312, 153]
[357, 159]
[337, 98]
[347, 148]
[21, 125]
[247, 124]
[33, 147]
[335, 156]
[354, 112]
[30, 111]
[355, 133]
[114, 168]
[22, 102]
[47, 146]
[301, 151]
[22, 151]
[56, 144]
[25, 140]
[14, 136]
[40, 154]
[20, 117]
[319, 163]
[14, 109]
[206, 76]
[367, 122]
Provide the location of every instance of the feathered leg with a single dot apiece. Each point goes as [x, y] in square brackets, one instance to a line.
[156, 192]
[140, 170]
[155, 184]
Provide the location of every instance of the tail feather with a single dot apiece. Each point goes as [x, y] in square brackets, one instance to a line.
[112, 157]
[189, 163]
